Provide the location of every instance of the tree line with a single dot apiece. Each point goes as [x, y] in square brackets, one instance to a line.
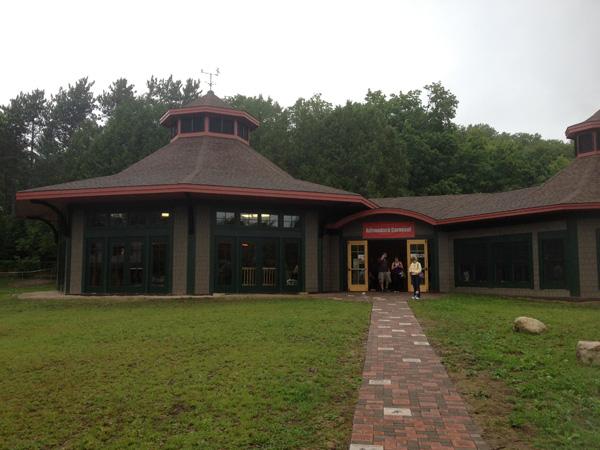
[386, 145]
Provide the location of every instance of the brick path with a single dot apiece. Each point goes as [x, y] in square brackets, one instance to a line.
[406, 400]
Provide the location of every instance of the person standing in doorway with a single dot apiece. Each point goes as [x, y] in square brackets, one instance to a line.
[415, 270]
[397, 274]
[383, 272]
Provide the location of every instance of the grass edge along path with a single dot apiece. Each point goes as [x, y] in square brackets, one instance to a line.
[525, 391]
[210, 374]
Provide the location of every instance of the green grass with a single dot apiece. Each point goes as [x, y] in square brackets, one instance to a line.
[527, 391]
[222, 374]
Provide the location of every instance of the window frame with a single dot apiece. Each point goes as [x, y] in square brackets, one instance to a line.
[545, 283]
[489, 242]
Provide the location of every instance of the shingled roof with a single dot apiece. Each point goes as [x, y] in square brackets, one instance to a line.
[577, 184]
[590, 123]
[210, 99]
[201, 160]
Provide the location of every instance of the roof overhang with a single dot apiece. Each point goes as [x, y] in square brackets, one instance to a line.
[166, 118]
[548, 209]
[580, 127]
[70, 195]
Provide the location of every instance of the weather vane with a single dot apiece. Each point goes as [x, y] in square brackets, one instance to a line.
[210, 77]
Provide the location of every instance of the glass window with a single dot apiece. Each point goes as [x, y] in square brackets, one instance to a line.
[158, 256]
[198, 123]
[173, 131]
[186, 124]
[117, 264]
[270, 257]
[118, 219]
[494, 262]
[291, 221]
[96, 264]
[225, 263]
[225, 218]
[472, 261]
[248, 255]
[227, 126]
[136, 263]
[97, 219]
[249, 219]
[269, 220]
[137, 219]
[511, 262]
[291, 261]
[552, 261]
[585, 143]
[243, 130]
[215, 124]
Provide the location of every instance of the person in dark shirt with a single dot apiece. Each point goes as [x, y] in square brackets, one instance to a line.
[383, 272]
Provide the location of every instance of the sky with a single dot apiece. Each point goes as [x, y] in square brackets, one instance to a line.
[519, 66]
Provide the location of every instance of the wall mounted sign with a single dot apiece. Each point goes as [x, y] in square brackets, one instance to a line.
[388, 230]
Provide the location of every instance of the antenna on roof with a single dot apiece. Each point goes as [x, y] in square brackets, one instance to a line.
[210, 77]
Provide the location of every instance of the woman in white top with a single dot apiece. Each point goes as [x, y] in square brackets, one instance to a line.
[415, 270]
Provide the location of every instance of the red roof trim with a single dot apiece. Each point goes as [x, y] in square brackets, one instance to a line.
[583, 126]
[208, 109]
[191, 188]
[379, 211]
[523, 212]
[210, 134]
[465, 219]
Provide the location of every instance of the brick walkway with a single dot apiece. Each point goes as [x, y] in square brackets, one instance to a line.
[406, 400]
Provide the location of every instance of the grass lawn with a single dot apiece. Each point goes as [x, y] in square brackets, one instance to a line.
[207, 374]
[525, 391]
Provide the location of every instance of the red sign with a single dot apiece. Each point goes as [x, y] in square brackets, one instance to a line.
[388, 230]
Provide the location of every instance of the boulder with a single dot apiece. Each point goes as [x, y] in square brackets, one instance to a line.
[588, 352]
[529, 325]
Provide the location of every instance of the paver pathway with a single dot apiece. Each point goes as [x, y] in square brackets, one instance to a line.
[407, 400]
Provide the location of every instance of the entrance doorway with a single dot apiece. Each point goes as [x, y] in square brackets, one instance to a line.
[363, 257]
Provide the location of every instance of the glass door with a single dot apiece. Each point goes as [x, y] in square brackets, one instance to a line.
[418, 248]
[127, 268]
[259, 265]
[224, 270]
[158, 265]
[292, 278]
[358, 266]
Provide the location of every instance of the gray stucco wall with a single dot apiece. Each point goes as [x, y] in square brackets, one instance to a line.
[534, 229]
[445, 273]
[331, 263]
[311, 251]
[77, 259]
[180, 247]
[202, 230]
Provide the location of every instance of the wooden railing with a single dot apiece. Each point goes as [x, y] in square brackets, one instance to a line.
[248, 276]
[269, 276]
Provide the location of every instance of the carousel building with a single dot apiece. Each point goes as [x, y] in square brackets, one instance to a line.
[208, 214]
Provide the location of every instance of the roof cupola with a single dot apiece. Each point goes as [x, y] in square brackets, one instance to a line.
[586, 135]
[209, 116]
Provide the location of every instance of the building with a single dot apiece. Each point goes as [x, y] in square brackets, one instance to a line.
[206, 213]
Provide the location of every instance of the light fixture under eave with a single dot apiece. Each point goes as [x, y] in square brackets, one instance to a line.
[165, 215]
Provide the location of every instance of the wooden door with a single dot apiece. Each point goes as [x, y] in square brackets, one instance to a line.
[418, 248]
[358, 266]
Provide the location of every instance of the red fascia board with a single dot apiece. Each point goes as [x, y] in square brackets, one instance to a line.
[189, 188]
[381, 211]
[466, 219]
[522, 212]
[208, 109]
[583, 126]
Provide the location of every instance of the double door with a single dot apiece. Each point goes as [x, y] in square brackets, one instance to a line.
[257, 264]
[358, 263]
[131, 265]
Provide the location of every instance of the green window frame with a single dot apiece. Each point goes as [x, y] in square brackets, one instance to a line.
[552, 253]
[496, 261]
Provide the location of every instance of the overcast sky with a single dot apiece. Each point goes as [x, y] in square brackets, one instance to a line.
[531, 66]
